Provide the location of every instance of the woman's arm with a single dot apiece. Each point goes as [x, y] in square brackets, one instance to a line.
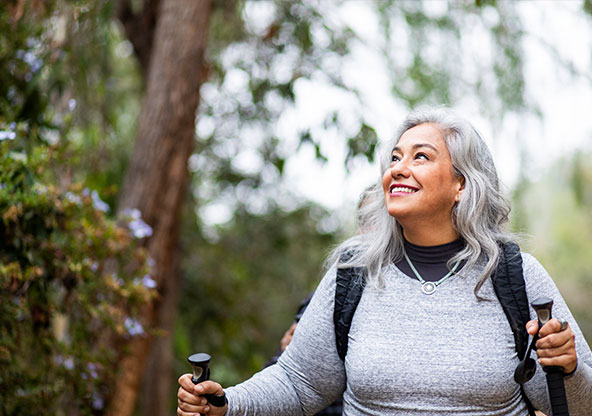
[308, 376]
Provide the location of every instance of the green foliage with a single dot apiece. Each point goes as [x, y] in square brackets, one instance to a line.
[425, 48]
[555, 211]
[508, 61]
[101, 90]
[581, 180]
[482, 3]
[243, 286]
[23, 93]
[259, 51]
[71, 278]
[71, 284]
[65, 67]
[587, 6]
[364, 143]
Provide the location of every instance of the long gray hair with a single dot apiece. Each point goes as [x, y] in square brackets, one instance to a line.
[478, 217]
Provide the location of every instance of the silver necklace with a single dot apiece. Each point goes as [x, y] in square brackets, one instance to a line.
[429, 287]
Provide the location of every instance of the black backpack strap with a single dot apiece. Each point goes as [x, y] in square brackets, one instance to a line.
[349, 286]
[510, 290]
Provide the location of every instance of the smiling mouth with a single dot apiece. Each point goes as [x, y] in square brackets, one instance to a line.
[404, 189]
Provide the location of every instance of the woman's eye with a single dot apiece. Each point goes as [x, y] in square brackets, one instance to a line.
[394, 158]
[422, 156]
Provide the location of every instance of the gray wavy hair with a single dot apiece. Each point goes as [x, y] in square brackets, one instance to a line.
[478, 217]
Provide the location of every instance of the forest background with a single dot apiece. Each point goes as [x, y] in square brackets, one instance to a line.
[173, 173]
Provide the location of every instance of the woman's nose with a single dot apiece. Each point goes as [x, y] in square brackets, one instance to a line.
[400, 168]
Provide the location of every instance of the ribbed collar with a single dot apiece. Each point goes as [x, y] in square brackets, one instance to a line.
[439, 254]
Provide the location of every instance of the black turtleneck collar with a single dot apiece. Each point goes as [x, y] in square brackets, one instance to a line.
[430, 261]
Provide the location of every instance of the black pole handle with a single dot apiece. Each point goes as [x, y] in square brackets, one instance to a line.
[543, 307]
[201, 372]
[556, 391]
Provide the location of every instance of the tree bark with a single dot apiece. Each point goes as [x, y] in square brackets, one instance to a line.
[156, 183]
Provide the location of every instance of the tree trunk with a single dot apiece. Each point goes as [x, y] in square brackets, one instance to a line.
[156, 183]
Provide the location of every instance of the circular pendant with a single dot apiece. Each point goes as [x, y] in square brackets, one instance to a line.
[428, 288]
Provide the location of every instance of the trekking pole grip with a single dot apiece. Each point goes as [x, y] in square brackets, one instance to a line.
[201, 372]
[543, 307]
[556, 391]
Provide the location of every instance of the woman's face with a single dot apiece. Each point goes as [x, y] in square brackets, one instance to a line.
[419, 185]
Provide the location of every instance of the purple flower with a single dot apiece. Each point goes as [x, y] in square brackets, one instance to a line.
[75, 199]
[98, 203]
[92, 369]
[69, 363]
[148, 282]
[137, 226]
[7, 135]
[98, 402]
[34, 62]
[140, 229]
[133, 213]
[133, 327]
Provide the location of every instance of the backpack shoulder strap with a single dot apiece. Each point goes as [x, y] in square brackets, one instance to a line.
[349, 286]
[510, 290]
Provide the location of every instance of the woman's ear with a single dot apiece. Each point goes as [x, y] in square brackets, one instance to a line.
[461, 188]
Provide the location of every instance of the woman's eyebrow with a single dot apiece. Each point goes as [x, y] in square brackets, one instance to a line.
[417, 146]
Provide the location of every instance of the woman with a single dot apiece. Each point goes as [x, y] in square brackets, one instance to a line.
[441, 347]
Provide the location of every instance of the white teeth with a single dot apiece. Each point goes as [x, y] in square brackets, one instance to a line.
[402, 189]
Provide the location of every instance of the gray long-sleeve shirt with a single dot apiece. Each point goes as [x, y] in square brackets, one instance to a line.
[413, 354]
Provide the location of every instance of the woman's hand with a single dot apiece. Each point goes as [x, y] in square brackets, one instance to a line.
[555, 347]
[191, 400]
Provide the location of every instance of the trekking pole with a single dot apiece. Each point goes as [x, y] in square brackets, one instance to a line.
[201, 372]
[554, 374]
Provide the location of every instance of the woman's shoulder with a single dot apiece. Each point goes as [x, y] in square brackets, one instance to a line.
[537, 279]
[531, 266]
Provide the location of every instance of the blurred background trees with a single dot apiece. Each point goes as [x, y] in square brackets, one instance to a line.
[200, 238]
